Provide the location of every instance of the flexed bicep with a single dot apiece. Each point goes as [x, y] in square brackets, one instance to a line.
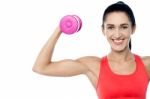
[65, 67]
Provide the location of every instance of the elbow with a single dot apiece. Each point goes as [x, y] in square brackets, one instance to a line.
[36, 69]
[40, 69]
[33, 69]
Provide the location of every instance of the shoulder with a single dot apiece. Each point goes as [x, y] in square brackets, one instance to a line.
[89, 59]
[146, 61]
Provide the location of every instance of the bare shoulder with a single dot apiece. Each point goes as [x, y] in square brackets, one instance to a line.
[89, 60]
[92, 62]
[146, 61]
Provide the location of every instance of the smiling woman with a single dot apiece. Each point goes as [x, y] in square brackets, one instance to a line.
[129, 14]
[118, 29]
[119, 75]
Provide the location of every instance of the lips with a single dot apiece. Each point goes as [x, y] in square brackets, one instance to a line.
[118, 41]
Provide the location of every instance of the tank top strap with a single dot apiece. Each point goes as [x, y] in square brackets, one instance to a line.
[104, 65]
[103, 61]
[138, 59]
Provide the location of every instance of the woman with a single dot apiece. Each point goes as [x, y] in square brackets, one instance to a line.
[119, 75]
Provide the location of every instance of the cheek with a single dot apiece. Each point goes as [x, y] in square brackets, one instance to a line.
[108, 35]
[127, 34]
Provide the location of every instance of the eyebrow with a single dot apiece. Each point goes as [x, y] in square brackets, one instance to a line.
[120, 24]
[110, 25]
[124, 24]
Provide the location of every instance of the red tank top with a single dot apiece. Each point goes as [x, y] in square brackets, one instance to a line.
[115, 86]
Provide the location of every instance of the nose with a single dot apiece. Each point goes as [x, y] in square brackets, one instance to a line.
[117, 33]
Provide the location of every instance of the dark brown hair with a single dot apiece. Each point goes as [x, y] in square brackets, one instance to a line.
[122, 7]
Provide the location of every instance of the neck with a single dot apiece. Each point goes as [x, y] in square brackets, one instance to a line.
[120, 56]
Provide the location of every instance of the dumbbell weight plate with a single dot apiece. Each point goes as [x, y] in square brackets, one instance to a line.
[70, 24]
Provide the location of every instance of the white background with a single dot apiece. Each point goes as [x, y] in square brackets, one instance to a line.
[25, 25]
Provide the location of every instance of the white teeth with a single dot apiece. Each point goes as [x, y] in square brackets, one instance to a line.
[118, 41]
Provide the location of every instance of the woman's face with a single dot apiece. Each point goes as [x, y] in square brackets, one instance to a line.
[118, 29]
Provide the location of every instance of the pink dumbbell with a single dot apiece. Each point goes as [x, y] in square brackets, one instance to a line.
[70, 24]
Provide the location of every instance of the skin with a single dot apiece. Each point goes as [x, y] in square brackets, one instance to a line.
[117, 29]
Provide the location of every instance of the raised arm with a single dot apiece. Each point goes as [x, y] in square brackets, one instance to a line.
[44, 65]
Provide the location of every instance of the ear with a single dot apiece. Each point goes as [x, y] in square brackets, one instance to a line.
[133, 29]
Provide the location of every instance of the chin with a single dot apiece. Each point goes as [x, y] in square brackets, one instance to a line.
[118, 49]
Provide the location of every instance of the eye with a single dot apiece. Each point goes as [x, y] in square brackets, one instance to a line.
[124, 27]
[110, 27]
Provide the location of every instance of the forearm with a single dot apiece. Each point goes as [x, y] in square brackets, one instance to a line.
[46, 52]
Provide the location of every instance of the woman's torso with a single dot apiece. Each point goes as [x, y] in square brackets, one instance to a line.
[93, 75]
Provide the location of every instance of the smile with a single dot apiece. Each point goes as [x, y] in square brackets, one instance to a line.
[118, 41]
